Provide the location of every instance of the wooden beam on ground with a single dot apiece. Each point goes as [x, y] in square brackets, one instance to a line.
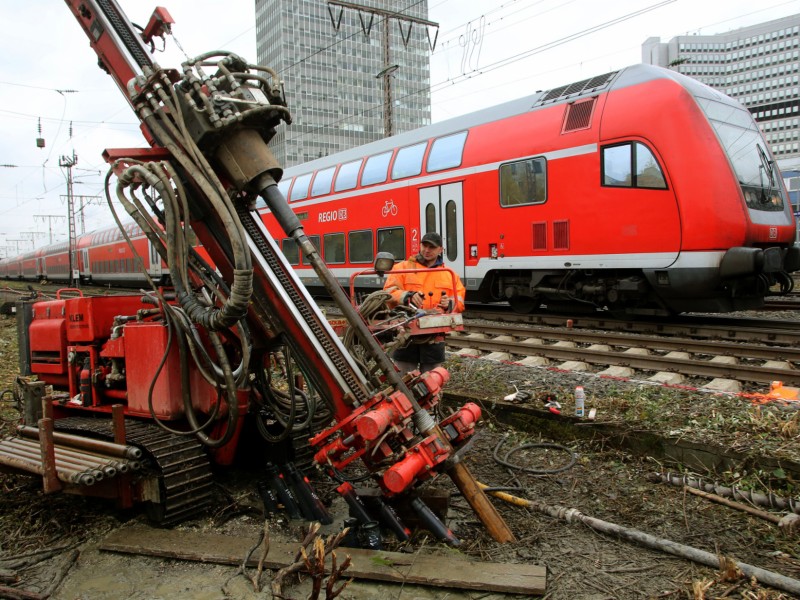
[395, 567]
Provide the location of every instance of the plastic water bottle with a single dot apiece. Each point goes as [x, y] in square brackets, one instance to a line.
[579, 401]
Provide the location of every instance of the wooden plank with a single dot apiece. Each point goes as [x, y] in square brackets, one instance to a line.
[424, 569]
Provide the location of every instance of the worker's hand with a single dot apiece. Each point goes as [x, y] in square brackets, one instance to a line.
[414, 299]
[445, 303]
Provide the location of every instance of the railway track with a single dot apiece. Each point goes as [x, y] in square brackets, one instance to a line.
[689, 358]
[772, 331]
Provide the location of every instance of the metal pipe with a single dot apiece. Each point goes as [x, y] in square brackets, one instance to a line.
[97, 461]
[35, 466]
[35, 454]
[59, 463]
[78, 441]
[121, 467]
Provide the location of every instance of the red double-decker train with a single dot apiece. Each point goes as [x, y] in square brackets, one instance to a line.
[102, 257]
[640, 191]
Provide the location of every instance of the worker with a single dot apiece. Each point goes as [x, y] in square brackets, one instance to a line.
[428, 287]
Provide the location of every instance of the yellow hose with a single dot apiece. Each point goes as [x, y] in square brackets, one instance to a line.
[506, 496]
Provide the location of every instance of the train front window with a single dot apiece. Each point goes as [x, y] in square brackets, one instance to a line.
[523, 182]
[747, 151]
[632, 165]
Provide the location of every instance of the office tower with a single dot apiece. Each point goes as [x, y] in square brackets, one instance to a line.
[758, 65]
[330, 56]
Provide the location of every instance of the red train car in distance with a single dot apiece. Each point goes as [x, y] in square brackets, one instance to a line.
[101, 257]
[640, 191]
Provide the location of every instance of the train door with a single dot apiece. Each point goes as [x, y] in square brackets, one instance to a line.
[42, 269]
[76, 267]
[155, 261]
[441, 209]
[84, 267]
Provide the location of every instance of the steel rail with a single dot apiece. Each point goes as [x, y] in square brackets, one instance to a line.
[661, 343]
[690, 366]
[710, 326]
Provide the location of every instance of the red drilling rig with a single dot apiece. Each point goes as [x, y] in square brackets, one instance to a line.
[135, 396]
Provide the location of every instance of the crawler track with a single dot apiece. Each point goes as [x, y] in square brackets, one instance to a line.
[179, 463]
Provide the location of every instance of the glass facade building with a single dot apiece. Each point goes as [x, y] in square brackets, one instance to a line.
[758, 65]
[331, 69]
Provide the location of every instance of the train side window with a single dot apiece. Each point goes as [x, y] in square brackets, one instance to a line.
[632, 164]
[376, 169]
[300, 187]
[347, 178]
[451, 220]
[392, 240]
[322, 182]
[430, 218]
[648, 171]
[333, 248]
[409, 161]
[314, 239]
[447, 152]
[617, 166]
[523, 182]
[360, 245]
[291, 251]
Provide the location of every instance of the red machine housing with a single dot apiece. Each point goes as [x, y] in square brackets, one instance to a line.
[117, 343]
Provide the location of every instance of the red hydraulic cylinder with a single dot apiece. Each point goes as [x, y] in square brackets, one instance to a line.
[373, 423]
[419, 461]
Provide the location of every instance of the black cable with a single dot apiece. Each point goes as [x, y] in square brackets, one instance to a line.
[505, 462]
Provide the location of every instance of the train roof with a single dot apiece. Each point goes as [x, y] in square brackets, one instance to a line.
[566, 93]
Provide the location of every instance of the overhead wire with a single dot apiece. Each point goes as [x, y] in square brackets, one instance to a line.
[488, 68]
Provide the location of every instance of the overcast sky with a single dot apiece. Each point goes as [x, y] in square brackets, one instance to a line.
[487, 52]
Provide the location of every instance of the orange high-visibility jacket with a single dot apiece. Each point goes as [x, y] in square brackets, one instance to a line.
[424, 279]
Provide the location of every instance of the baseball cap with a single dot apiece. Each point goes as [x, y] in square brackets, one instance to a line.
[432, 238]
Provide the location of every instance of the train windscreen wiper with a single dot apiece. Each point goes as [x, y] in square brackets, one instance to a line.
[768, 165]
